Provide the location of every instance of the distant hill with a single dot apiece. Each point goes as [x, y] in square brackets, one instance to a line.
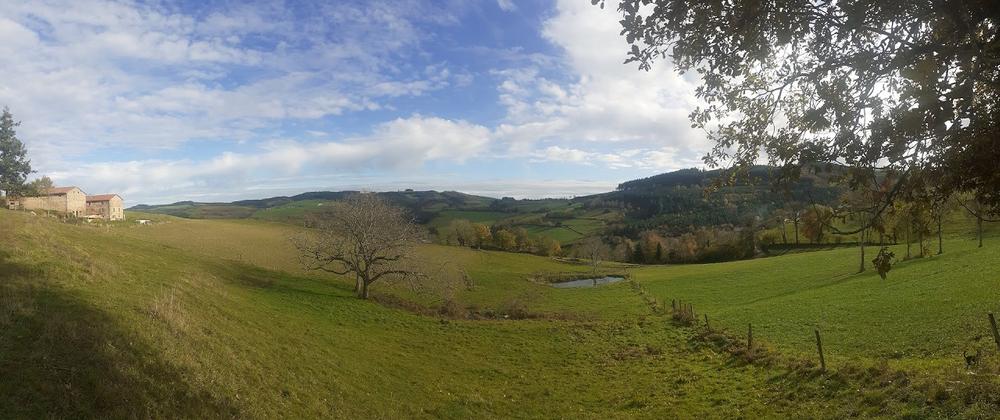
[676, 201]
[672, 202]
[424, 205]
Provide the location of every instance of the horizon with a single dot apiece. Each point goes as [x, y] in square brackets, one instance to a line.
[175, 102]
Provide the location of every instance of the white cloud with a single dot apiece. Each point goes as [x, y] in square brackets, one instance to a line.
[105, 74]
[661, 160]
[398, 145]
[507, 5]
[605, 105]
[144, 78]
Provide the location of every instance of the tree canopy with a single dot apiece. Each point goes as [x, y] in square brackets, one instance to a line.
[908, 88]
[14, 163]
[362, 235]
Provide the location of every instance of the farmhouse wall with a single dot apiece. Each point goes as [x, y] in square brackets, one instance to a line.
[72, 201]
[109, 207]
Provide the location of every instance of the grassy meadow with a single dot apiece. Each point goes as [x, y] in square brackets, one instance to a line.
[214, 318]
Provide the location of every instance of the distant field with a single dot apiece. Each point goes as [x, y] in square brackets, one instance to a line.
[294, 212]
[447, 216]
[565, 230]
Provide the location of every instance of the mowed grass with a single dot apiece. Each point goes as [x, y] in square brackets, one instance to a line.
[926, 314]
[105, 323]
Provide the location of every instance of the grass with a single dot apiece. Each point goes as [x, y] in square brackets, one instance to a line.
[447, 216]
[926, 313]
[205, 318]
[579, 224]
[499, 277]
[294, 212]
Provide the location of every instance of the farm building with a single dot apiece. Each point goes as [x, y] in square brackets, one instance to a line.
[73, 201]
[69, 200]
[107, 206]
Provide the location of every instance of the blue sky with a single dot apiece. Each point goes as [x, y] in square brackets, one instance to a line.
[168, 101]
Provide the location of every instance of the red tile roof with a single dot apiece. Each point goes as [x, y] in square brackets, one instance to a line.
[101, 197]
[58, 190]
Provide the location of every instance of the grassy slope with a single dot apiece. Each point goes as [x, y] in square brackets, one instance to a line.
[499, 277]
[209, 318]
[96, 323]
[927, 313]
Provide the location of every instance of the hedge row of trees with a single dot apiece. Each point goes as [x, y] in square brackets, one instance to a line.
[462, 232]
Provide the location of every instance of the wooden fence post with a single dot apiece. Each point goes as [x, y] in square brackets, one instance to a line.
[819, 346]
[993, 325]
[707, 325]
[673, 304]
[750, 338]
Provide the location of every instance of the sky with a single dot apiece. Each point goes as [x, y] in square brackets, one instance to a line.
[163, 101]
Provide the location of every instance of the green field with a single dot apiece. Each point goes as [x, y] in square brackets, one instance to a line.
[574, 226]
[213, 318]
[447, 216]
[294, 212]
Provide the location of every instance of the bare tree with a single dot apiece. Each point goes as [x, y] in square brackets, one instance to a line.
[364, 236]
[594, 250]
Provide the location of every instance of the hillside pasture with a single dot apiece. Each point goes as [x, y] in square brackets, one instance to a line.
[926, 313]
[124, 324]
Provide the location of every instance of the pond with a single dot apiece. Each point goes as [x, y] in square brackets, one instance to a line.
[588, 282]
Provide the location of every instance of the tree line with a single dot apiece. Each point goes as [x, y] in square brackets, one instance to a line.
[462, 232]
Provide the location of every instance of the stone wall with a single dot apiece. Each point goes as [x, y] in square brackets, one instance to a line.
[73, 202]
[76, 202]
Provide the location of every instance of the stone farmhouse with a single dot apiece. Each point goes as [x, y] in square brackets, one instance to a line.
[107, 206]
[73, 201]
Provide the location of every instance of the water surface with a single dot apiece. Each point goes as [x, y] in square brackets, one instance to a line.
[588, 282]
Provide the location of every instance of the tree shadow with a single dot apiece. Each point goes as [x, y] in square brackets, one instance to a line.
[252, 276]
[60, 357]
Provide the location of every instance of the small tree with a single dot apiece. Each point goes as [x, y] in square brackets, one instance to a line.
[549, 247]
[814, 222]
[364, 236]
[14, 163]
[39, 186]
[506, 240]
[524, 242]
[978, 210]
[483, 235]
[594, 250]
[462, 232]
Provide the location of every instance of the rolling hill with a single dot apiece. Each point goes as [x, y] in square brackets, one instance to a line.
[214, 318]
[673, 202]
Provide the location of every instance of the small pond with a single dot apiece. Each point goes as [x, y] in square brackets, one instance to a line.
[588, 282]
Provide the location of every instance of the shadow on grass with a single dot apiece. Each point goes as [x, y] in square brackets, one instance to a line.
[252, 276]
[61, 358]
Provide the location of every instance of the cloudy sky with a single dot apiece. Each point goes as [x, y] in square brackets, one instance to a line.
[167, 101]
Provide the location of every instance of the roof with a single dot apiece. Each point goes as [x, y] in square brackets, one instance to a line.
[101, 197]
[59, 190]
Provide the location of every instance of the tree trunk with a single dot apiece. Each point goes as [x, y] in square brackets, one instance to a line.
[796, 223]
[784, 232]
[920, 238]
[861, 269]
[940, 237]
[908, 256]
[364, 290]
[979, 229]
